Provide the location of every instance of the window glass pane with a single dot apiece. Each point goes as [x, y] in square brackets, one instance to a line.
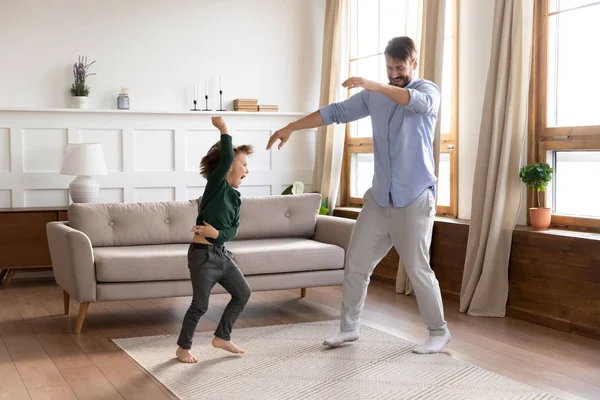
[361, 173]
[369, 67]
[365, 68]
[368, 27]
[575, 191]
[448, 72]
[353, 72]
[573, 83]
[560, 5]
[392, 17]
[443, 186]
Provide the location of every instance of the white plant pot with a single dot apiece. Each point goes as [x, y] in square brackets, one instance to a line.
[80, 102]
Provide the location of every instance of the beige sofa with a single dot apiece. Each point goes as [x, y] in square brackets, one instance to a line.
[139, 250]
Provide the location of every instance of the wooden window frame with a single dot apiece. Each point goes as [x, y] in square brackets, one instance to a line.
[448, 141]
[541, 138]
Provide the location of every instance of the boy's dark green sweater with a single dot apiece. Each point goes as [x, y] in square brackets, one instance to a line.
[220, 205]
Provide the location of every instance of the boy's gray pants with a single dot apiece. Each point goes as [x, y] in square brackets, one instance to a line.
[208, 266]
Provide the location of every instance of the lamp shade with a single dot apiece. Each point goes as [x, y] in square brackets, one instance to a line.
[83, 159]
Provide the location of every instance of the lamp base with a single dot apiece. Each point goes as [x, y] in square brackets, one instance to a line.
[84, 189]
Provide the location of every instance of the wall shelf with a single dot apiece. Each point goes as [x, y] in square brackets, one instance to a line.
[142, 111]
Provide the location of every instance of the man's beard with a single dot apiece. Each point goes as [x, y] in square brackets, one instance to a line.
[402, 82]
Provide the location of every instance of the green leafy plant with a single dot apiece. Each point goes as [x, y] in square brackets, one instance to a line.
[324, 210]
[536, 176]
[80, 73]
[298, 188]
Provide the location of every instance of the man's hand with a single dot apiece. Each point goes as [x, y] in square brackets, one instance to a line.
[206, 230]
[219, 123]
[355, 82]
[283, 135]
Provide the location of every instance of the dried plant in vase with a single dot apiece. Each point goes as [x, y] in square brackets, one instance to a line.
[79, 90]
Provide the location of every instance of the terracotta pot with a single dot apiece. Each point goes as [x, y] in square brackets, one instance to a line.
[540, 218]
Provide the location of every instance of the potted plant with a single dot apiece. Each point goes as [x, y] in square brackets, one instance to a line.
[298, 188]
[537, 176]
[79, 90]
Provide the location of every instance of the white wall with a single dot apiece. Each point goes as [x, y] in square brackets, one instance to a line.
[475, 36]
[265, 49]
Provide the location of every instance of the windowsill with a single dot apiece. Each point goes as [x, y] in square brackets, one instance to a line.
[352, 212]
[560, 232]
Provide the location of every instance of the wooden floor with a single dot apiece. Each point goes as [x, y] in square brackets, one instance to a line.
[40, 359]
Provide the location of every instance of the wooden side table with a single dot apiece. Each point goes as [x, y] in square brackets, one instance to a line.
[23, 240]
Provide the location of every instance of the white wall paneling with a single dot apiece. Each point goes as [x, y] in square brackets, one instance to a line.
[110, 195]
[150, 194]
[43, 149]
[45, 197]
[150, 155]
[154, 150]
[112, 145]
[4, 150]
[5, 198]
[255, 190]
[193, 192]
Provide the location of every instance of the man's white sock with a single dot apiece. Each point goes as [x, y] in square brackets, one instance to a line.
[341, 338]
[434, 344]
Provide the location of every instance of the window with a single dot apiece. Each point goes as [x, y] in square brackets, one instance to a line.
[373, 23]
[447, 196]
[565, 120]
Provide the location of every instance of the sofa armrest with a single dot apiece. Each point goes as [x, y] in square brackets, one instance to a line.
[334, 230]
[72, 261]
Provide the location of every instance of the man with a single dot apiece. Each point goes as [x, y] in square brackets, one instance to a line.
[400, 206]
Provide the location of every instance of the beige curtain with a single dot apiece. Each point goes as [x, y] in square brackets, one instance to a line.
[330, 139]
[431, 57]
[496, 187]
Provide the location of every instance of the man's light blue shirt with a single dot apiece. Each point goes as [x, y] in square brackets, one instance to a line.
[402, 139]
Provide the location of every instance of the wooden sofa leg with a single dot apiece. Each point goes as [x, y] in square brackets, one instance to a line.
[67, 301]
[83, 307]
[10, 274]
[303, 292]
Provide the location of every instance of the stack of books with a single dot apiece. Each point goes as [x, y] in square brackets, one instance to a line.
[266, 108]
[245, 105]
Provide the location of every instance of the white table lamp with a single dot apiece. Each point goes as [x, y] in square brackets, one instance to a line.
[84, 160]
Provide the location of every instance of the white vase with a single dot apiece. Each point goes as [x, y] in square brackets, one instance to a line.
[80, 102]
[84, 189]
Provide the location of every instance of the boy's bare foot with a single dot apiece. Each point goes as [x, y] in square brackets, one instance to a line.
[185, 356]
[226, 345]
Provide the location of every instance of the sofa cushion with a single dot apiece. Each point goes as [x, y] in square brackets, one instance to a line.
[141, 263]
[135, 223]
[254, 257]
[279, 216]
[273, 256]
[170, 222]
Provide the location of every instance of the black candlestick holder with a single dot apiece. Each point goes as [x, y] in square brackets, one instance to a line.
[206, 98]
[220, 101]
[194, 109]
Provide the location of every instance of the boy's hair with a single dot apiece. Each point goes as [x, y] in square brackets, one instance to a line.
[211, 159]
[401, 48]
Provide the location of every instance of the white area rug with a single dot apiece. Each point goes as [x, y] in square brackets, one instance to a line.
[289, 362]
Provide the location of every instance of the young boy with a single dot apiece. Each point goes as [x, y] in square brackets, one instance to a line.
[224, 167]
